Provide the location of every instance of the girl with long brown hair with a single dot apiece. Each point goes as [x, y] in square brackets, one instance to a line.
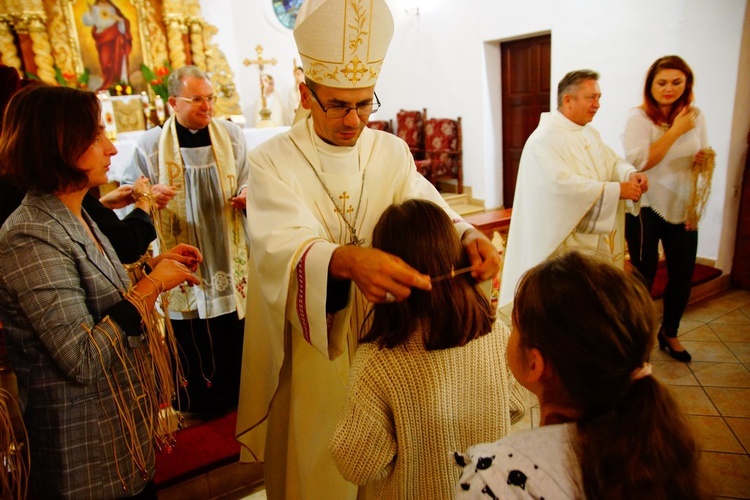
[429, 376]
[581, 339]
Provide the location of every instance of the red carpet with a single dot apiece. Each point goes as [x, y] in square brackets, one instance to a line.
[199, 448]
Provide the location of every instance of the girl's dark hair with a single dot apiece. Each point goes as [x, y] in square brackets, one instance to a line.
[594, 325]
[650, 106]
[45, 131]
[456, 311]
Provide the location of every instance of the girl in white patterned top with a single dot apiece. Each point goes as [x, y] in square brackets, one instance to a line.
[581, 339]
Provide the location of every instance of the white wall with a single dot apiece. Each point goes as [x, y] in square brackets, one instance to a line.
[445, 56]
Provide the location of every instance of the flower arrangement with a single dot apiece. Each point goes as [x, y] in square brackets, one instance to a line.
[72, 80]
[158, 79]
[121, 88]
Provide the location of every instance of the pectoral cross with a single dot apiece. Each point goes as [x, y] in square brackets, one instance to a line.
[265, 113]
[356, 240]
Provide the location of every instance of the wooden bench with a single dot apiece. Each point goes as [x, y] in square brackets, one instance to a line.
[491, 221]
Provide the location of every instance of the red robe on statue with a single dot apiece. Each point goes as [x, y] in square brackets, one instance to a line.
[114, 49]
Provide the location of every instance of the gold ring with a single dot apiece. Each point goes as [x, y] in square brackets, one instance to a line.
[389, 297]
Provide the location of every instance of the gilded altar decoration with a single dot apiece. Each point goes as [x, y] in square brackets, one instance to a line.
[103, 44]
[128, 112]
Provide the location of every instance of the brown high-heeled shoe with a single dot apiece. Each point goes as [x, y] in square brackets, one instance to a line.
[664, 345]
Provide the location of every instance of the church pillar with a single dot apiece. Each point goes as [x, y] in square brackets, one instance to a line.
[8, 49]
[35, 47]
[196, 42]
[175, 40]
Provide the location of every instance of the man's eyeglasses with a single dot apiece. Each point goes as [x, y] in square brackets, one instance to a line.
[337, 112]
[198, 100]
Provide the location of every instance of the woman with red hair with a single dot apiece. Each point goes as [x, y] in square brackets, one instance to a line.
[665, 137]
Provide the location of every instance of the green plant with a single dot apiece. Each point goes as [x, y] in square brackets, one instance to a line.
[71, 79]
[158, 79]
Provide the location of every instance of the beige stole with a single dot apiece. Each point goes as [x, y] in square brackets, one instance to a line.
[173, 218]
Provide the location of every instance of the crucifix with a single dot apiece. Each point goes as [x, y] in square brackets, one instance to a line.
[265, 113]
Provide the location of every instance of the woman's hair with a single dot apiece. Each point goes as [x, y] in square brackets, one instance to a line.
[594, 325]
[10, 83]
[650, 106]
[45, 132]
[456, 311]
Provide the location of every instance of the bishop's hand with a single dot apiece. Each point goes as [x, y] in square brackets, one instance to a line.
[380, 276]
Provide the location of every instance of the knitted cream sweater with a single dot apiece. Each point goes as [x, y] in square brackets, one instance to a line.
[408, 409]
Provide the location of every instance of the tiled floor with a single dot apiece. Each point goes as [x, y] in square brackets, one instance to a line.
[713, 389]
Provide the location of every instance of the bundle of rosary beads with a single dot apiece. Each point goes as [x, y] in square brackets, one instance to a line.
[701, 176]
[14, 452]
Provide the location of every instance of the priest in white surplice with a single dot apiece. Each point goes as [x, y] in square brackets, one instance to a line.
[202, 162]
[316, 193]
[571, 187]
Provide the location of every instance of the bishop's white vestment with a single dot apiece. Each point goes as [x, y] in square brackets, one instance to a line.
[296, 356]
[567, 195]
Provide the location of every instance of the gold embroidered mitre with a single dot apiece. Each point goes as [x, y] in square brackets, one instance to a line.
[342, 43]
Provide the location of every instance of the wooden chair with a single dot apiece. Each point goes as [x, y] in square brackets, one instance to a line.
[411, 130]
[384, 125]
[443, 154]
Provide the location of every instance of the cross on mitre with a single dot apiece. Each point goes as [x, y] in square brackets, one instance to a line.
[265, 113]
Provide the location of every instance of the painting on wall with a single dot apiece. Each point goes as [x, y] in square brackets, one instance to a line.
[109, 37]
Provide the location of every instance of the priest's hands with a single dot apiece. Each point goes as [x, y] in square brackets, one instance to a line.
[483, 255]
[634, 187]
[380, 276]
[641, 180]
[163, 194]
[239, 202]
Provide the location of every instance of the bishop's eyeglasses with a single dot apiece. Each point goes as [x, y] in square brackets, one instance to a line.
[337, 112]
[198, 100]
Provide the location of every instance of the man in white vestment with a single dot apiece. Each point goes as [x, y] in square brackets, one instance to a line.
[571, 186]
[318, 191]
[202, 161]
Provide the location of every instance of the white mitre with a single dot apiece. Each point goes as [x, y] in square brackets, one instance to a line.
[342, 43]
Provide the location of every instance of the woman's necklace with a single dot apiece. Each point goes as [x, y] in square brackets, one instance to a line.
[355, 240]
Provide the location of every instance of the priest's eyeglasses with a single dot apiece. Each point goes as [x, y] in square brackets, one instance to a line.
[198, 100]
[337, 112]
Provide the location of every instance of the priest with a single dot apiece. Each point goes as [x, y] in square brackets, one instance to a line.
[571, 187]
[317, 192]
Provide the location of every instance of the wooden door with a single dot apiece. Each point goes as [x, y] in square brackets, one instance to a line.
[741, 264]
[525, 95]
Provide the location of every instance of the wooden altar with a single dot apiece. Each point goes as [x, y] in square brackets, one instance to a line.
[58, 42]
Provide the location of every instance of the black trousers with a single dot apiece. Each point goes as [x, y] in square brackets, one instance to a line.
[211, 356]
[643, 234]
